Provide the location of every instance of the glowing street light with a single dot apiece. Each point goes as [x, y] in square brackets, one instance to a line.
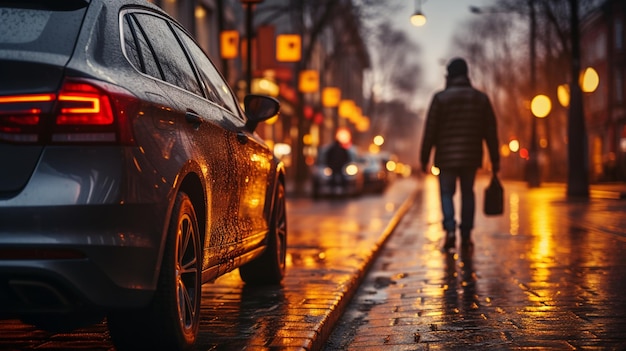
[514, 145]
[379, 140]
[418, 19]
[540, 106]
[562, 93]
[589, 80]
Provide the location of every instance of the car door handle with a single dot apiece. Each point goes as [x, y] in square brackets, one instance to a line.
[242, 138]
[193, 119]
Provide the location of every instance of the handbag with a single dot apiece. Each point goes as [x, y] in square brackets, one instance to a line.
[494, 197]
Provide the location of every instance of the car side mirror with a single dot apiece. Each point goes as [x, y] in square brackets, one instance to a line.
[259, 108]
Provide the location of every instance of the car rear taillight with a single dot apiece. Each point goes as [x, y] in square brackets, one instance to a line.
[20, 116]
[83, 111]
[83, 104]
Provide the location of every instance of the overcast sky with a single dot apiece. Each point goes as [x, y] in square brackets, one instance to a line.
[434, 39]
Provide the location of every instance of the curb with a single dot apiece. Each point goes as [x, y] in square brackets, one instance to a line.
[335, 315]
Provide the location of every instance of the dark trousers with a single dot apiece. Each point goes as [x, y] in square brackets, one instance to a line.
[447, 187]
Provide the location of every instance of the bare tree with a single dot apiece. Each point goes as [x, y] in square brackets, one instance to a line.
[397, 69]
[498, 43]
[498, 67]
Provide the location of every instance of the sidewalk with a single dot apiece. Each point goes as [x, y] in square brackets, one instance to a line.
[546, 275]
[546, 260]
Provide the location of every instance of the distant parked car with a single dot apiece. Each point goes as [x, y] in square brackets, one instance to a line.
[346, 180]
[375, 174]
[129, 173]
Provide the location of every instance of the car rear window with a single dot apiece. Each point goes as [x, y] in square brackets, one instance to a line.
[168, 53]
[41, 26]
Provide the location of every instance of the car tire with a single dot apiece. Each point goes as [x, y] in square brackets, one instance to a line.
[269, 268]
[172, 319]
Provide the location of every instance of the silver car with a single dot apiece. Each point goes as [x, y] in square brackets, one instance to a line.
[129, 173]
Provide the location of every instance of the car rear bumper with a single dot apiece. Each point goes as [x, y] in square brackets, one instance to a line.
[102, 256]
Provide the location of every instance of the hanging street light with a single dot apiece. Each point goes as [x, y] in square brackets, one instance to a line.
[418, 19]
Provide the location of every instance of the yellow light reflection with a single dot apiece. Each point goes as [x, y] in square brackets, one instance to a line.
[514, 213]
[389, 206]
[542, 250]
[432, 206]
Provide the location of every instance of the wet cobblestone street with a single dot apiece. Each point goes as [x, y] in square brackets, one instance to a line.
[547, 275]
[331, 242]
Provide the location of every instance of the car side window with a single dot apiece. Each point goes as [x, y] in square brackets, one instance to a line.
[138, 50]
[169, 54]
[218, 90]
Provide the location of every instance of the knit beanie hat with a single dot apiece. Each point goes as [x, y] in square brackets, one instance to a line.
[457, 67]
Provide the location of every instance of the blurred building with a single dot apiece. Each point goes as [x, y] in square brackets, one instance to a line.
[332, 55]
[604, 48]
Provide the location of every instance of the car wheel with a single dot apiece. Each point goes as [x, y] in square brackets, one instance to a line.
[171, 320]
[269, 268]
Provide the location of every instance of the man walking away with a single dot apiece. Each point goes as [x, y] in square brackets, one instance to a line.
[460, 117]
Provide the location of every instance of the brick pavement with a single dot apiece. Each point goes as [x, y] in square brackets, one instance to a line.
[547, 275]
[331, 243]
[526, 278]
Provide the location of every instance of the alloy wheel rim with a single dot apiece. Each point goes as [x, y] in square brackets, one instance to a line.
[186, 271]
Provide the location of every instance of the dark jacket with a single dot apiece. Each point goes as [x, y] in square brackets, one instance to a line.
[459, 119]
[336, 157]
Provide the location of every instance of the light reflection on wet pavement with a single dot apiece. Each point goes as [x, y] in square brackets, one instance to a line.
[330, 242]
[547, 275]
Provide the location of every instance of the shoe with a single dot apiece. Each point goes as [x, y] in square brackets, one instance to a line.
[450, 241]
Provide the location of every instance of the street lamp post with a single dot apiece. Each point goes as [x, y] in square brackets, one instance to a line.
[577, 177]
[249, 4]
[532, 175]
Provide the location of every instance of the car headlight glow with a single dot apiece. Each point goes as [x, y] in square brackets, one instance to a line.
[352, 170]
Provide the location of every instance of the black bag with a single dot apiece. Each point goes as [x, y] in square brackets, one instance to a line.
[494, 197]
